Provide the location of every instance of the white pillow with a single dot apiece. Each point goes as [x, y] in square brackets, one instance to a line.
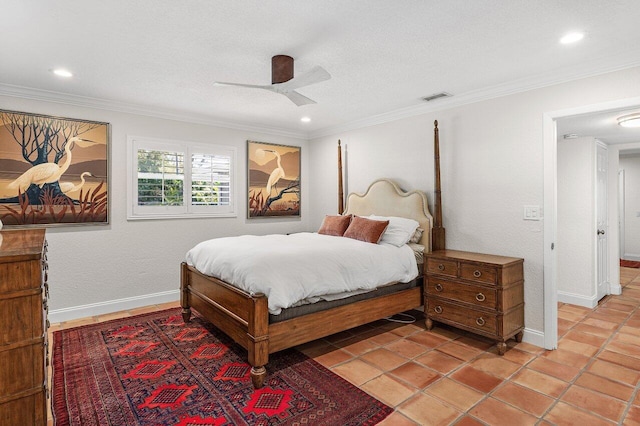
[399, 231]
[417, 236]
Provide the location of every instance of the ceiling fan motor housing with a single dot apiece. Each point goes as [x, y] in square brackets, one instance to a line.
[281, 69]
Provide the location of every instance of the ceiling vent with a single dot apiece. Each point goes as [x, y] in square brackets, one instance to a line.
[570, 136]
[436, 96]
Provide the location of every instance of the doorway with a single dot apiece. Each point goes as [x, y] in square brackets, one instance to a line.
[550, 132]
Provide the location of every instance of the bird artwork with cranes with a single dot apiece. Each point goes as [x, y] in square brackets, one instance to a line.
[273, 180]
[52, 170]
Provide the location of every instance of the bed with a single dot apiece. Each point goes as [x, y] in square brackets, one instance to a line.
[244, 316]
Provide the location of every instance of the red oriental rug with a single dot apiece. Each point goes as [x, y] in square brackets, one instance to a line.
[629, 263]
[154, 369]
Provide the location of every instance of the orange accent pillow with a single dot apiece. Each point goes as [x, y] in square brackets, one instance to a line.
[335, 225]
[366, 230]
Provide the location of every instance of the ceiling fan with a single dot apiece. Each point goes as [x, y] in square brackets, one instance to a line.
[283, 82]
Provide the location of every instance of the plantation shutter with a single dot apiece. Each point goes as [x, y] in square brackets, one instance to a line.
[211, 179]
[180, 179]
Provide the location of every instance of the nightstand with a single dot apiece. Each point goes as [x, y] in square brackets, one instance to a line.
[480, 293]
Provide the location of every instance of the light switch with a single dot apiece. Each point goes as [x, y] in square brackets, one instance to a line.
[531, 213]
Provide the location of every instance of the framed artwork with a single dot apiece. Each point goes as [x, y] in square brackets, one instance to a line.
[53, 171]
[273, 180]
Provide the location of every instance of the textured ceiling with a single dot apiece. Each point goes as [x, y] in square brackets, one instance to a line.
[600, 125]
[162, 57]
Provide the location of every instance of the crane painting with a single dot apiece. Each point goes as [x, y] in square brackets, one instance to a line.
[273, 180]
[52, 170]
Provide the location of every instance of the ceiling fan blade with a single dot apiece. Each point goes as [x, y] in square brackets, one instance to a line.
[298, 99]
[314, 75]
[251, 86]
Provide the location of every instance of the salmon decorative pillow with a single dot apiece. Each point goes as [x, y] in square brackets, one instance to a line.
[367, 230]
[335, 225]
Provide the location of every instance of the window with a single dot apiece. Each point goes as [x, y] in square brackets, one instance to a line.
[179, 179]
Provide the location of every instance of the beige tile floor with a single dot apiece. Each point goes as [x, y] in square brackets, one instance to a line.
[446, 376]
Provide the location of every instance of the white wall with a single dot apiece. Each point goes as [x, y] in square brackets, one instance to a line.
[90, 267]
[576, 219]
[631, 166]
[492, 165]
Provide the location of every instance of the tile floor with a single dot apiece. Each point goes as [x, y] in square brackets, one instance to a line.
[448, 377]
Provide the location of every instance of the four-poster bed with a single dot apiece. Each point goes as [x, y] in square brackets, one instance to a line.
[244, 316]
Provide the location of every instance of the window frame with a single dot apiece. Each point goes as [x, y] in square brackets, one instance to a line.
[187, 210]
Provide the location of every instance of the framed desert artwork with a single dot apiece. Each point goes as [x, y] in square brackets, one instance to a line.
[53, 171]
[273, 180]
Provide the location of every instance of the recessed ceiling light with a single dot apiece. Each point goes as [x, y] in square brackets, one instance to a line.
[61, 72]
[631, 120]
[305, 119]
[572, 38]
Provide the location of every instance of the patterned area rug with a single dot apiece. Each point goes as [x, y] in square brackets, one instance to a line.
[153, 369]
[629, 263]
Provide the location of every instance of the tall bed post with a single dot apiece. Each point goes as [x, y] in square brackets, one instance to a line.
[340, 183]
[437, 234]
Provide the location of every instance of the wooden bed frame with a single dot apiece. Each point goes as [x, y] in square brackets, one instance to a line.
[245, 317]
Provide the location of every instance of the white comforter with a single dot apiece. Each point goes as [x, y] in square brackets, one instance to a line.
[291, 268]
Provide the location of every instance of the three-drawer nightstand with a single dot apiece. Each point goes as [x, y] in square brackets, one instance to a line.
[480, 293]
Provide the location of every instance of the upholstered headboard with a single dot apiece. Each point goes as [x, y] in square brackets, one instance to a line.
[385, 198]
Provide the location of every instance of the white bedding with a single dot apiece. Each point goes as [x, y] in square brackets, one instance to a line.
[291, 268]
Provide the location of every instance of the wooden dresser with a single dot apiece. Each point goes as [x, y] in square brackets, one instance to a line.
[476, 292]
[23, 327]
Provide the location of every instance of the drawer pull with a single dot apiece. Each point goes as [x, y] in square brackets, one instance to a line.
[441, 267]
[438, 309]
[477, 273]
[480, 297]
[438, 287]
[480, 321]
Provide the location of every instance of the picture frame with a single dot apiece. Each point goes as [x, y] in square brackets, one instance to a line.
[54, 171]
[273, 180]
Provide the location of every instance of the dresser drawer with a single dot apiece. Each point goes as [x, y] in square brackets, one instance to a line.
[23, 317]
[442, 267]
[18, 276]
[22, 367]
[482, 274]
[483, 322]
[26, 408]
[463, 292]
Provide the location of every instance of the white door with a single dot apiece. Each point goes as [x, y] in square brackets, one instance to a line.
[602, 272]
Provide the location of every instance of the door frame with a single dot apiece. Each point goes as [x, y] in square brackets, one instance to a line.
[550, 171]
[604, 289]
[621, 206]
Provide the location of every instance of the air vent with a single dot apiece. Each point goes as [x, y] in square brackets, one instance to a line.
[436, 96]
[570, 136]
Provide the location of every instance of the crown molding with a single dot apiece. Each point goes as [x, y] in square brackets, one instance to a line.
[513, 87]
[553, 77]
[130, 108]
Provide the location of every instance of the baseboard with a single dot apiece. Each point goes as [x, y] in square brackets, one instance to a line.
[83, 311]
[577, 299]
[615, 289]
[631, 256]
[534, 337]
